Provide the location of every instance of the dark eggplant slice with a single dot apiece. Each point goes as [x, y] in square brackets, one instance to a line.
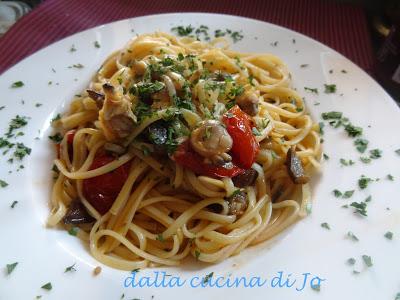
[248, 178]
[77, 214]
[295, 167]
[237, 203]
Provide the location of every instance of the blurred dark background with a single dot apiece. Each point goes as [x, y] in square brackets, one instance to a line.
[384, 25]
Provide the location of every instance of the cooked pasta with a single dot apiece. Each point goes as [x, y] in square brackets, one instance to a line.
[183, 148]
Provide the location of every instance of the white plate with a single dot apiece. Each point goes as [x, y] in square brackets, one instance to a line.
[43, 254]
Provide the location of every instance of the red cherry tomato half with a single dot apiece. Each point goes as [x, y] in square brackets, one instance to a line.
[245, 147]
[70, 140]
[188, 158]
[101, 191]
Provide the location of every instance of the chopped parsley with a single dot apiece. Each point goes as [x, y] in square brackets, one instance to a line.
[147, 88]
[96, 44]
[361, 145]
[182, 30]
[367, 260]
[76, 66]
[160, 238]
[312, 90]
[330, 88]
[352, 236]
[73, 231]
[70, 268]
[72, 49]
[365, 160]
[13, 204]
[337, 193]
[47, 286]
[56, 118]
[375, 153]
[325, 225]
[345, 195]
[3, 184]
[363, 182]
[197, 253]
[351, 261]
[321, 127]
[389, 235]
[11, 267]
[348, 194]
[237, 90]
[16, 123]
[208, 277]
[390, 177]
[326, 157]
[352, 130]
[344, 162]
[360, 208]
[21, 151]
[304, 66]
[397, 151]
[57, 138]
[17, 84]
[331, 115]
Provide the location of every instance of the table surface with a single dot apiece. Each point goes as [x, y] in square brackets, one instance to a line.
[343, 27]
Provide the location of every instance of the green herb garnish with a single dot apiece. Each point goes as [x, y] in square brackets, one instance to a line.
[348, 194]
[363, 182]
[361, 208]
[375, 153]
[208, 277]
[17, 84]
[160, 238]
[361, 145]
[312, 90]
[57, 138]
[337, 193]
[183, 31]
[47, 286]
[351, 261]
[21, 151]
[330, 88]
[3, 184]
[389, 235]
[365, 160]
[73, 231]
[325, 225]
[70, 268]
[344, 162]
[367, 260]
[11, 267]
[353, 131]
[352, 236]
[332, 115]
